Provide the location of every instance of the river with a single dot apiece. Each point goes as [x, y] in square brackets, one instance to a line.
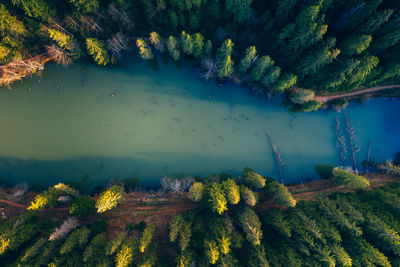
[134, 121]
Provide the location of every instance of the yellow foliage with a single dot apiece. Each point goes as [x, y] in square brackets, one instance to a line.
[40, 202]
[4, 244]
[224, 243]
[124, 256]
[109, 199]
[212, 252]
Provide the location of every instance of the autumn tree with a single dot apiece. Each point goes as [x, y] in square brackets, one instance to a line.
[110, 198]
[156, 41]
[144, 49]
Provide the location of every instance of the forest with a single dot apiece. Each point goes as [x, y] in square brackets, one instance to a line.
[296, 47]
[249, 220]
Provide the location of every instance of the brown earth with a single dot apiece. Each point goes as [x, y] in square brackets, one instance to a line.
[327, 98]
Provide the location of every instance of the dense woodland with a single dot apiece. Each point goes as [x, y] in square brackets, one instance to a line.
[273, 46]
[230, 226]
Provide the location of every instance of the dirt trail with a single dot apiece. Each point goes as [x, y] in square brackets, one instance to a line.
[324, 99]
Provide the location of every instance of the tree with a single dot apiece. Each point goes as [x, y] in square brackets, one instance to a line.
[216, 198]
[81, 206]
[225, 67]
[125, 256]
[280, 194]
[146, 237]
[231, 191]
[63, 40]
[301, 96]
[212, 252]
[112, 246]
[252, 179]
[208, 46]
[9, 24]
[196, 191]
[260, 67]
[272, 76]
[251, 226]
[175, 226]
[86, 6]
[355, 45]
[156, 41]
[4, 243]
[187, 43]
[36, 9]
[250, 55]
[173, 48]
[198, 45]
[110, 198]
[47, 199]
[93, 254]
[224, 244]
[341, 256]
[66, 189]
[33, 250]
[68, 224]
[78, 237]
[248, 196]
[285, 82]
[226, 49]
[97, 50]
[239, 8]
[346, 178]
[144, 49]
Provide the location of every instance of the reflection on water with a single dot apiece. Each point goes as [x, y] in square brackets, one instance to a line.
[136, 122]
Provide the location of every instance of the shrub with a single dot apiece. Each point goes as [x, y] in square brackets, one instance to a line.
[280, 194]
[196, 192]
[81, 206]
[349, 179]
[325, 171]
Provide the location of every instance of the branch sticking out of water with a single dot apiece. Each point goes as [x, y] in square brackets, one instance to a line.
[278, 159]
[351, 135]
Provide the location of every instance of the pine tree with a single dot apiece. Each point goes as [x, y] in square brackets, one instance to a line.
[97, 50]
[285, 82]
[301, 96]
[260, 67]
[36, 9]
[224, 244]
[375, 22]
[115, 244]
[208, 46]
[173, 48]
[251, 226]
[355, 45]
[212, 252]
[78, 237]
[225, 68]
[125, 256]
[186, 43]
[175, 226]
[239, 8]
[4, 243]
[248, 196]
[144, 49]
[198, 45]
[272, 76]
[252, 179]
[216, 198]
[33, 250]
[280, 194]
[250, 55]
[343, 177]
[196, 191]
[9, 24]
[110, 198]
[86, 6]
[146, 237]
[63, 40]
[225, 50]
[231, 191]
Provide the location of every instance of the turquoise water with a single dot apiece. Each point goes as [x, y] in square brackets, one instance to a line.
[133, 121]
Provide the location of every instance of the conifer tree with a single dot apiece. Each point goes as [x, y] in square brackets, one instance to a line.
[251, 226]
[146, 237]
[239, 8]
[198, 45]
[63, 40]
[97, 50]
[115, 244]
[186, 43]
[36, 9]
[285, 82]
[355, 45]
[301, 96]
[250, 55]
[216, 198]
[252, 179]
[173, 48]
[248, 196]
[260, 67]
[125, 256]
[224, 244]
[231, 191]
[225, 68]
[208, 46]
[280, 194]
[212, 252]
[10, 24]
[271, 76]
[343, 177]
[86, 6]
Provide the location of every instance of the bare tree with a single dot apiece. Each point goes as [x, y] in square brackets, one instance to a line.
[116, 45]
[210, 68]
[59, 55]
[90, 24]
[69, 224]
[71, 23]
[119, 15]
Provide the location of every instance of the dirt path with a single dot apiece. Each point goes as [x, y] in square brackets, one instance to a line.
[324, 99]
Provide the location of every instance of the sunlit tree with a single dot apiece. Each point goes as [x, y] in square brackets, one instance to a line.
[97, 50]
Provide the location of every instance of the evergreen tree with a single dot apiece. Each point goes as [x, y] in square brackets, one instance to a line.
[272, 76]
[285, 82]
[173, 48]
[251, 226]
[146, 237]
[208, 47]
[156, 41]
[225, 68]
[196, 191]
[280, 194]
[250, 55]
[252, 179]
[97, 50]
[355, 45]
[115, 244]
[216, 198]
[239, 8]
[9, 24]
[86, 6]
[36, 9]
[301, 96]
[212, 252]
[346, 178]
[124, 257]
[231, 191]
[260, 67]
[186, 43]
[198, 45]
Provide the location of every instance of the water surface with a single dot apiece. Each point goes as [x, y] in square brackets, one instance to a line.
[134, 121]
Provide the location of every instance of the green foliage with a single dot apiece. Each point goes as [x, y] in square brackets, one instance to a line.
[301, 96]
[216, 198]
[280, 194]
[114, 244]
[187, 43]
[285, 82]
[196, 191]
[81, 206]
[93, 254]
[250, 55]
[47, 199]
[225, 68]
[231, 191]
[173, 48]
[251, 226]
[355, 45]
[349, 179]
[9, 24]
[260, 67]
[248, 196]
[63, 40]
[198, 45]
[252, 179]
[311, 105]
[325, 171]
[86, 6]
[77, 238]
[97, 50]
[109, 198]
[212, 252]
[36, 9]
[239, 8]
[146, 237]
[156, 41]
